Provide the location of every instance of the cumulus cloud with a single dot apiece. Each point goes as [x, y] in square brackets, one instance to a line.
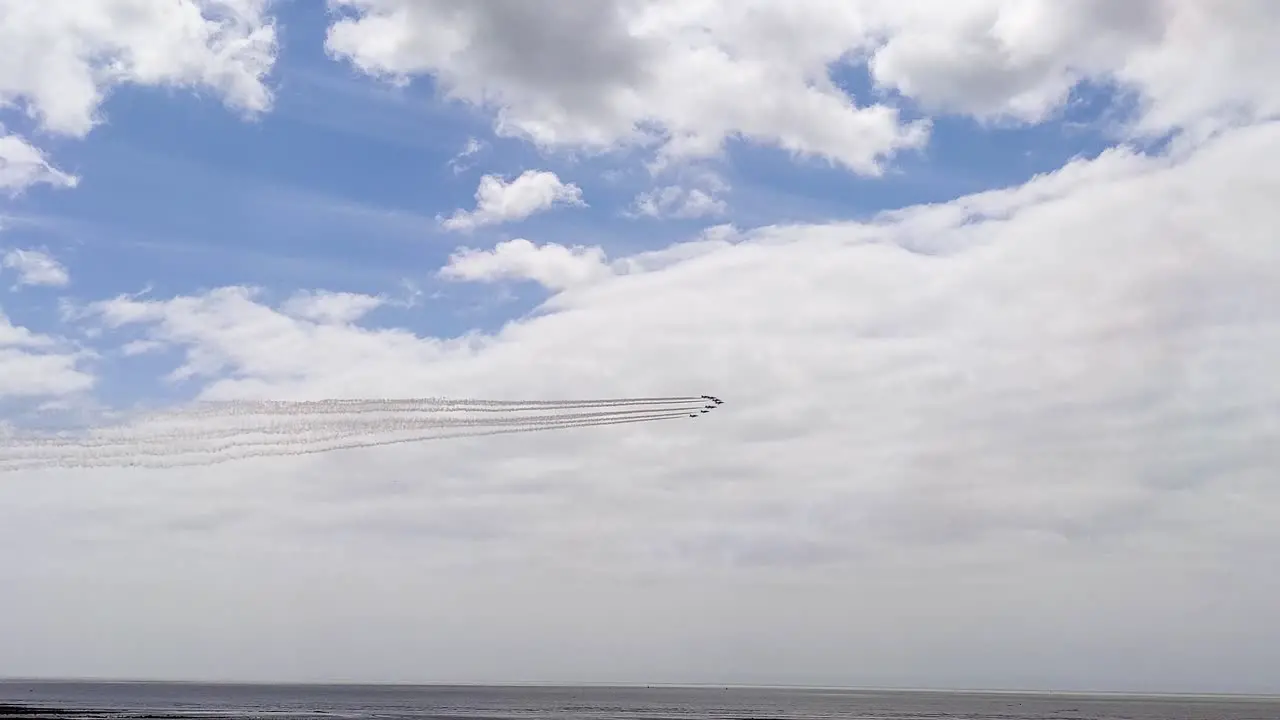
[552, 265]
[26, 374]
[22, 165]
[15, 336]
[243, 324]
[560, 268]
[687, 76]
[86, 48]
[60, 61]
[679, 202]
[499, 201]
[35, 267]
[34, 365]
[1189, 65]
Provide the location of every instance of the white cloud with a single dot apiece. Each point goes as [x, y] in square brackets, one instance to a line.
[698, 192]
[984, 333]
[15, 336]
[689, 75]
[62, 58]
[331, 307]
[551, 265]
[25, 374]
[229, 327]
[686, 75]
[473, 147]
[1190, 65]
[499, 201]
[35, 267]
[33, 365]
[141, 347]
[679, 202]
[560, 268]
[976, 411]
[22, 166]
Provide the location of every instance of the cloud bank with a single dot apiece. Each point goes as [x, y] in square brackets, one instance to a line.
[1026, 437]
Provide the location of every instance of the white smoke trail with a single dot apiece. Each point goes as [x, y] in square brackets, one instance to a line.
[318, 407]
[195, 437]
[354, 422]
[167, 442]
[178, 457]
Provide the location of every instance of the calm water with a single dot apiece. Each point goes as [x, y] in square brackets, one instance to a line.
[281, 702]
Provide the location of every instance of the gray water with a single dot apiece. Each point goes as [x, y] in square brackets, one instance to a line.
[293, 702]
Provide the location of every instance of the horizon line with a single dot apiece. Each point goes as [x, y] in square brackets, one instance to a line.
[1187, 694]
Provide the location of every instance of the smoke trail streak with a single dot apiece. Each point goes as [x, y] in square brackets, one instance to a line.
[289, 407]
[361, 422]
[130, 458]
[169, 441]
[193, 436]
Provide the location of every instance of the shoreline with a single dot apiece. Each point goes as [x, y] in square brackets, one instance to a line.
[51, 712]
[551, 685]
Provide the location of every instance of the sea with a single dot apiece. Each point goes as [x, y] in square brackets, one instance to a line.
[89, 700]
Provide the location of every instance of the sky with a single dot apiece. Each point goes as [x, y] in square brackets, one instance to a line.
[990, 288]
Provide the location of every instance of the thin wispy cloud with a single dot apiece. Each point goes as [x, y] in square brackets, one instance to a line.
[35, 268]
[461, 162]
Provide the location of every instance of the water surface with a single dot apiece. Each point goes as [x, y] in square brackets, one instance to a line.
[390, 702]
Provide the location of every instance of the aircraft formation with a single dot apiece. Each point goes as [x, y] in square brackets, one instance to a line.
[708, 408]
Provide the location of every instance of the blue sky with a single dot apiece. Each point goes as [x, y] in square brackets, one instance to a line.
[340, 184]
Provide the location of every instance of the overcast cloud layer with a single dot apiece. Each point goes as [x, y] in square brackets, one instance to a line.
[1023, 438]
